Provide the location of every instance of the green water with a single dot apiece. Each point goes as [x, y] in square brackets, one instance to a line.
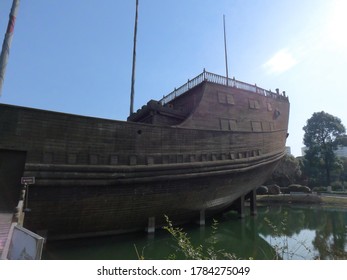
[290, 232]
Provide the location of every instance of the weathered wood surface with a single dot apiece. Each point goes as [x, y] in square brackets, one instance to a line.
[96, 175]
[5, 225]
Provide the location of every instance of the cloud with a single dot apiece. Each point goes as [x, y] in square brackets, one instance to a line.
[280, 62]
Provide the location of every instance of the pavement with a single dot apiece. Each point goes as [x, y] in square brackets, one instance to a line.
[5, 225]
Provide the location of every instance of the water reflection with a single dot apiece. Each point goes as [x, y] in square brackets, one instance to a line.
[308, 233]
[312, 232]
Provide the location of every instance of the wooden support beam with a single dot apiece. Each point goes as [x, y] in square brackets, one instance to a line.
[253, 202]
[240, 204]
[151, 225]
[202, 218]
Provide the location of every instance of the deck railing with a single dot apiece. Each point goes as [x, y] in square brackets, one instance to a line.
[217, 79]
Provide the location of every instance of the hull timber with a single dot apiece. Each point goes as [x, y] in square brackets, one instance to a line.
[199, 150]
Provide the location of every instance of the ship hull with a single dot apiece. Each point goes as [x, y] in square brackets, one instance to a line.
[187, 159]
[99, 205]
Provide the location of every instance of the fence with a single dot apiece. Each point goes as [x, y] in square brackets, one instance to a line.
[217, 79]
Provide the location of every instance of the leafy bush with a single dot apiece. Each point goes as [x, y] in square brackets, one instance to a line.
[262, 190]
[285, 190]
[274, 189]
[299, 188]
[338, 186]
[319, 189]
[200, 252]
[281, 241]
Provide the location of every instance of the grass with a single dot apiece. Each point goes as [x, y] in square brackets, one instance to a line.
[335, 201]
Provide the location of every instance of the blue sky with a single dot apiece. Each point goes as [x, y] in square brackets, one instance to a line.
[76, 56]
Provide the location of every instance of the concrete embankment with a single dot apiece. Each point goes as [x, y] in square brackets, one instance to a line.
[324, 200]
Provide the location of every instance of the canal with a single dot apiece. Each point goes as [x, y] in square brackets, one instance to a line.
[277, 232]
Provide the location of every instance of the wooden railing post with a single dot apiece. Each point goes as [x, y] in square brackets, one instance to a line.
[213, 78]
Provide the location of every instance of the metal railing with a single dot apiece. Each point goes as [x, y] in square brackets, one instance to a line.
[217, 79]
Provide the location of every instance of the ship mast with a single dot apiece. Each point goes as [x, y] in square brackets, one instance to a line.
[225, 52]
[7, 42]
[134, 62]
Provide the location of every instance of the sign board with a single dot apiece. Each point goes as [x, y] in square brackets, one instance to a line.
[24, 245]
[27, 180]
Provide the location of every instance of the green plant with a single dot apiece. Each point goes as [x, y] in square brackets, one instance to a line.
[323, 134]
[139, 257]
[280, 241]
[319, 189]
[284, 246]
[199, 252]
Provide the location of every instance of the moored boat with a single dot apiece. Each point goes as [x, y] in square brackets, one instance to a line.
[189, 155]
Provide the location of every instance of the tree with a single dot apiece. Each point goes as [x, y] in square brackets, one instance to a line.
[322, 136]
[342, 140]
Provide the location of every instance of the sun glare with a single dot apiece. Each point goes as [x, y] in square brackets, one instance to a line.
[336, 26]
[280, 62]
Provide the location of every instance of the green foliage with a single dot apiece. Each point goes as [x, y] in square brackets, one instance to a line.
[298, 188]
[342, 140]
[284, 243]
[262, 190]
[320, 189]
[322, 128]
[343, 173]
[339, 186]
[323, 133]
[139, 257]
[280, 243]
[199, 252]
[281, 240]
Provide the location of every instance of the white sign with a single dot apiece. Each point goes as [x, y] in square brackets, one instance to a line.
[24, 245]
[27, 180]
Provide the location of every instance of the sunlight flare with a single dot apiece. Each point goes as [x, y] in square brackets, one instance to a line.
[336, 26]
[280, 62]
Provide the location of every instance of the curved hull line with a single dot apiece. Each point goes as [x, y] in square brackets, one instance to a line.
[48, 178]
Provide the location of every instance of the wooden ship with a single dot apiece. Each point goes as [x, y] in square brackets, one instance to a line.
[188, 156]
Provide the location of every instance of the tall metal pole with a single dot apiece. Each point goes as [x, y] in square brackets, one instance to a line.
[134, 62]
[7, 42]
[225, 52]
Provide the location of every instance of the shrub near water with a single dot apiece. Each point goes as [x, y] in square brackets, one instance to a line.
[199, 252]
[299, 188]
[262, 190]
[279, 243]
